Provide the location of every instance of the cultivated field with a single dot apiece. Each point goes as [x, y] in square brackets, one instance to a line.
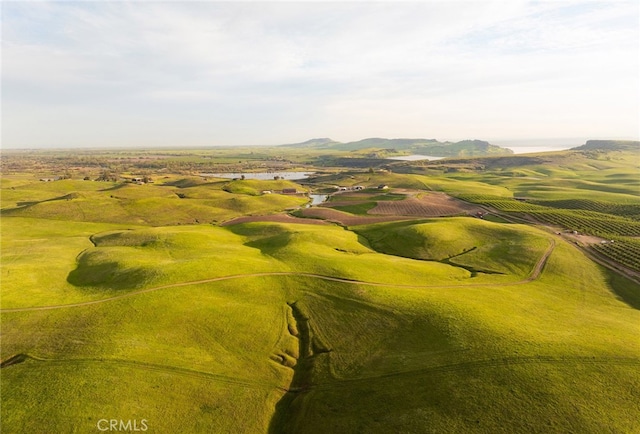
[428, 205]
[208, 305]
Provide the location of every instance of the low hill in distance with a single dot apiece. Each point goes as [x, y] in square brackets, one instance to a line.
[609, 145]
[432, 147]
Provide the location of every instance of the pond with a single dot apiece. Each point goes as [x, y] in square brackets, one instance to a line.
[292, 176]
[537, 149]
[317, 199]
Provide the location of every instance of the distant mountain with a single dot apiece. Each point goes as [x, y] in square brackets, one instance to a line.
[609, 145]
[379, 143]
[432, 147]
[312, 143]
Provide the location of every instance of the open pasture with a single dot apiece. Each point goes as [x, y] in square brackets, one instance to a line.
[155, 205]
[267, 324]
[234, 355]
[479, 245]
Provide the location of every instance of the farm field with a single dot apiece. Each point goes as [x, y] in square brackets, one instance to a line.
[210, 305]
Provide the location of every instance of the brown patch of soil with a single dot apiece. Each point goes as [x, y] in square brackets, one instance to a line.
[345, 219]
[278, 218]
[585, 240]
[427, 205]
[342, 203]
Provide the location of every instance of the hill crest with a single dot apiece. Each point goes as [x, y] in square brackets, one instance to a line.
[609, 145]
[420, 146]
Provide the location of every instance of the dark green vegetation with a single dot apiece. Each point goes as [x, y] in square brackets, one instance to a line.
[133, 302]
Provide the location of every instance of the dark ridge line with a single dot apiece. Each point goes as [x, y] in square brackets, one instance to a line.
[13, 360]
[533, 275]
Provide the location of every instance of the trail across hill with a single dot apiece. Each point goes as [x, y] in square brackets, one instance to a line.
[568, 361]
[535, 273]
[135, 364]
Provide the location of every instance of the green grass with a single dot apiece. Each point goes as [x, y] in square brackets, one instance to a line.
[187, 365]
[359, 209]
[413, 334]
[333, 251]
[254, 187]
[151, 205]
[467, 366]
[37, 257]
[385, 344]
[474, 243]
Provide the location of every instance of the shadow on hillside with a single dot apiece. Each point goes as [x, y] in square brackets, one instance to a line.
[625, 289]
[115, 187]
[107, 275]
[313, 354]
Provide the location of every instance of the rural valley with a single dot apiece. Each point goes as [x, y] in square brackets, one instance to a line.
[322, 287]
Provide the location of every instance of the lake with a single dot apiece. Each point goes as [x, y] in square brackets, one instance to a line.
[317, 199]
[535, 149]
[528, 146]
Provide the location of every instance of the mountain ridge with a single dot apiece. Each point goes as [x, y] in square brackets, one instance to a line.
[420, 146]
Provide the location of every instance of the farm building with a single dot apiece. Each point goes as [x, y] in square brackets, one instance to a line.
[289, 191]
[383, 187]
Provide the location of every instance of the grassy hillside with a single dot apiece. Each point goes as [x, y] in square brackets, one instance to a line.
[193, 358]
[477, 244]
[124, 301]
[415, 146]
[155, 205]
[208, 354]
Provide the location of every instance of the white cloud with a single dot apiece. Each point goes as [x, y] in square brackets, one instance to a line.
[254, 72]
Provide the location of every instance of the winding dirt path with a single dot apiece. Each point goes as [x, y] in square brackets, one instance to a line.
[535, 273]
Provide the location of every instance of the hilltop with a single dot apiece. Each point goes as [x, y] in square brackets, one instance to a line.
[433, 147]
[609, 145]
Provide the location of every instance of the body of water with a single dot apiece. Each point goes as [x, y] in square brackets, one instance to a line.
[528, 146]
[533, 149]
[292, 176]
[317, 199]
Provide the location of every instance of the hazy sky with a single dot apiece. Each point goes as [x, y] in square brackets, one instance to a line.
[141, 73]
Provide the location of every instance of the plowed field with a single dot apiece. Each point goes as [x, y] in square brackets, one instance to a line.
[347, 219]
[279, 218]
[431, 205]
